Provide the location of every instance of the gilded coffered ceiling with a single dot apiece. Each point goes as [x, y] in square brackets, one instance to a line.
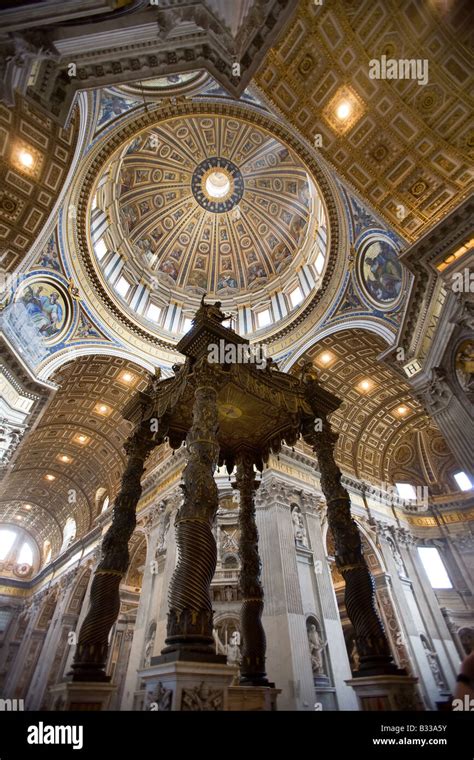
[35, 155]
[385, 435]
[180, 226]
[75, 450]
[406, 147]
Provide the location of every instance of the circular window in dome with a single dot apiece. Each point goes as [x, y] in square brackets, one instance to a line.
[217, 185]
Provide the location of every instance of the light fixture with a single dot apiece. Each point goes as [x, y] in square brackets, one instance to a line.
[365, 385]
[81, 439]
[50, 477]
[402, 410]
[28, 506]
[126, 377]
[18, 517]
[325, 359]
[102, 409]
[64, 458]
[343, 110]
[26, 159]
[458, 253]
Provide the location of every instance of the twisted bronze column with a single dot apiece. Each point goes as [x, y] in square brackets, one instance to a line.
[359, 596]
[253, 636]
[91, 654]
[189, 629]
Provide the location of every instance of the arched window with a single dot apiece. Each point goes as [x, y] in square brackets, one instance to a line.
[69, 533]
[7, 538]
[25, 557]
[18, 553]
[105, 504]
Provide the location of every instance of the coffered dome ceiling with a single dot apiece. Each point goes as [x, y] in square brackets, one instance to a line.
[206, 204]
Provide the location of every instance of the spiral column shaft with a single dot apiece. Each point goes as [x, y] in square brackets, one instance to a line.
[91, 654]
[359, 596]
[190, 608]
[253, 635]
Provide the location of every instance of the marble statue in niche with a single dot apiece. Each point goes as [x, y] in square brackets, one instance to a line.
[230, 645]
[316, 648]
[301, 538]
[464, 365]
[163, 535]
[150, 641]
[433, 661]
[234, 656]
[466, 636]
[397, 557]
[220, 647]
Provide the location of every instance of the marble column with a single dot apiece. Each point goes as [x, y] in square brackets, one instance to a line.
[55, 640]
[16, 681]
[433, 623]
[315, 511]
[411, 621]
[150, 626]
[452, 415]
[167, 562]
[89, 565]
[359, 596]
[288, 655]
[9, 643]
[92, 648]
[253, 636]
[189, 630]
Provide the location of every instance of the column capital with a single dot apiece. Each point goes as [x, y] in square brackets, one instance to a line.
[464, 313]
[274, 489]
[309, 500]
[437, 393]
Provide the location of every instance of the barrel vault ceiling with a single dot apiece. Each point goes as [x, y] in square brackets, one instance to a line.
[75, 450]
[385, 435]
[407, 148]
